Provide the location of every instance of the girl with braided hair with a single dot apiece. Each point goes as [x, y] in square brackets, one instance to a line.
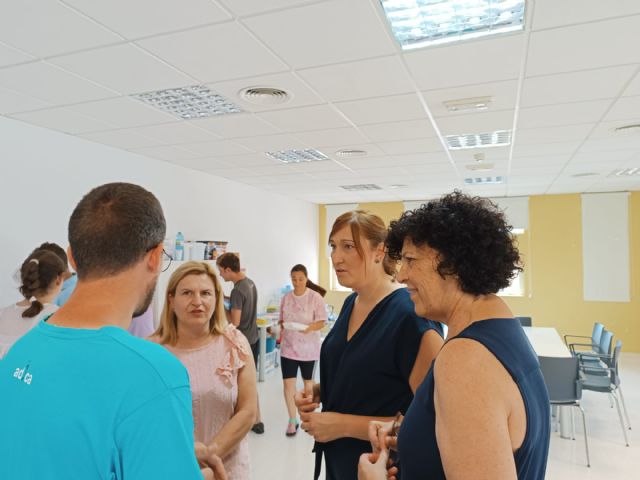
[41, 274]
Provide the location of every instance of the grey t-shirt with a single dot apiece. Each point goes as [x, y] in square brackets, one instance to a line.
[244, 297]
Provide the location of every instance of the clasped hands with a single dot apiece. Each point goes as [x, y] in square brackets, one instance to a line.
[322, 426]
[210, 463]
[377, 465]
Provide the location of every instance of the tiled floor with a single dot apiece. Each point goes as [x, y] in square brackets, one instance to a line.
[274, 456]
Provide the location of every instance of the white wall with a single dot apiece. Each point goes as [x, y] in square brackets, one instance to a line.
[43, 174]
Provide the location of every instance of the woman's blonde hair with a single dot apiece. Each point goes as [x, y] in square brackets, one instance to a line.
[167, 332]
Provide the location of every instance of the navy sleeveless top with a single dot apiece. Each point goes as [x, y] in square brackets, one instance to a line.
[368, 374]
[419, 457]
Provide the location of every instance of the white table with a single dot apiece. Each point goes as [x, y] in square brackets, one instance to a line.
[272, 319]
[547, 343]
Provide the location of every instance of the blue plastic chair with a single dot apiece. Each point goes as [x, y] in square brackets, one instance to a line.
[595, 336]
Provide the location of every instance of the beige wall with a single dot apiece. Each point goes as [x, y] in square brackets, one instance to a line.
[552, 252]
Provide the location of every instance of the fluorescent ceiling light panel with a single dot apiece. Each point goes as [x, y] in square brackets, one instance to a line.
[466, 104]
[420, 23]
[195, 101]
[484, 180]
[500, 138]
[626, 172]
[298, 156]
[361, 187]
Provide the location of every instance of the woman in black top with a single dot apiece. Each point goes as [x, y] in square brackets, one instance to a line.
[374, 357]
[482, 412]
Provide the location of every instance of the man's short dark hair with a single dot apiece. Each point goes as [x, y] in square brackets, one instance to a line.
[113, 227]
[229, 260]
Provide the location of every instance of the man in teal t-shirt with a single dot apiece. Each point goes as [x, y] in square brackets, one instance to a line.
[80, 397]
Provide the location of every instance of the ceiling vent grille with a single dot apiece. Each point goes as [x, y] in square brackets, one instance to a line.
[264, 95]
[188, 103]
[626, 172]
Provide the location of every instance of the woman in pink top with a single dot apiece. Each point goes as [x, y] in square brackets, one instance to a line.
[222, 374]
[302, 315]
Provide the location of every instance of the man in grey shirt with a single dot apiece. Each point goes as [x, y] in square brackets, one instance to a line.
[244, 308]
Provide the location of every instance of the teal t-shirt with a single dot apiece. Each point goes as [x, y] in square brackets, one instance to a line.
[94, 404]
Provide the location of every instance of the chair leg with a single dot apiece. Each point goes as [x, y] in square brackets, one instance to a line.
[624, 430]
[624, 407]
[610, 401]
[573, 426]
[586, 442]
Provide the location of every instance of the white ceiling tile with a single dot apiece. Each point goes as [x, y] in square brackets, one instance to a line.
[208, 165]
[493, 155]
[237, 125]
[12, 101]
[342, 175]
[316, 117]
[52, 29]
[388, 132]
[372, 150]
[11, 56]
[625, 108]
[233, 172]
[51, 84]
[625, 142]
[252, 160]
[601, 157]
[176, 133]
[251, 7]
[64, 120]
[366, 78]
[529, 136]
[328, 32]
[467, 63]
[480, 122]
[383, 109]
[562, 114]
[315, 167]
[216, 148]
[124, 68]
[150, 17]
[412, 146]
[332, 137]
[300, 94]
[123, 112]
[165, 152]
[198, 53]
[634, 87]
[121, 139]
[608, 130]
[551, 13]
[580, 47]
[270, 143]
[546, 149]
[503, 96]
[575, 86]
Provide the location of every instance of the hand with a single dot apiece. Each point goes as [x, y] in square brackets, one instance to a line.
[217, 467]
[202, 451]
[373, 466]
[307, 400]
[381, 435]
[322, 426]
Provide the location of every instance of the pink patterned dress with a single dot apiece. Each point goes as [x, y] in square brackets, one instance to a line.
[213, 373]
[306, 308]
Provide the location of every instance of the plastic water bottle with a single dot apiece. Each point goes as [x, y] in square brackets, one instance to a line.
[179, 250]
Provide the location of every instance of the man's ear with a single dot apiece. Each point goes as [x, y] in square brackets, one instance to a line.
[154, 258]
[72, 260]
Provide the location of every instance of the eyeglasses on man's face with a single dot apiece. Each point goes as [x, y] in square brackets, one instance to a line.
[166, 258]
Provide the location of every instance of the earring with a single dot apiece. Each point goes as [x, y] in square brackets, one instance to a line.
[377, 260]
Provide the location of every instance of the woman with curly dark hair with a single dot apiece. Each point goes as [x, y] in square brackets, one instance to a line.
[482, 411]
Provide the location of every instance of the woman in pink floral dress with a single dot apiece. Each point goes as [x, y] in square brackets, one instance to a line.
[302, 315]
[218, 358]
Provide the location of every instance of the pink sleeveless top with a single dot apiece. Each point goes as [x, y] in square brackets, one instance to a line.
[213, 373]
